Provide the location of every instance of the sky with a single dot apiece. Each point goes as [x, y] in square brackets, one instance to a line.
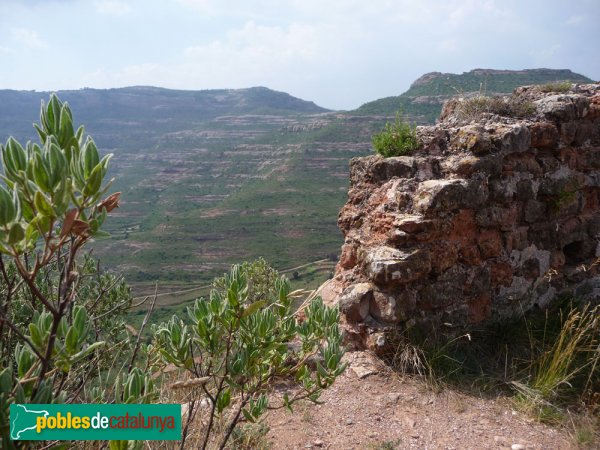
[337, 53]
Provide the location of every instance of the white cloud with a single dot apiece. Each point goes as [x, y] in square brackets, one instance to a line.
[112, 7]
[273, 56]
[28, 38]
[7, 50]
[264, 46]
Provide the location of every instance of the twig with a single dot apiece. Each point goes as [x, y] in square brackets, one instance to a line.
[144, 322]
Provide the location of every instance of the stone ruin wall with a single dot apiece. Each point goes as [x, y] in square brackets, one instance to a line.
[487, 219]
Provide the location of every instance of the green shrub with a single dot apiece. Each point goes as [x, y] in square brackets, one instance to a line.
[557, 86]
[396, 139]
[57, 310]
[234, 349]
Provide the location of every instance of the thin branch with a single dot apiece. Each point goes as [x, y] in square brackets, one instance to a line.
[30, 280]
[6, 321]
[139, 336]
[188, 421]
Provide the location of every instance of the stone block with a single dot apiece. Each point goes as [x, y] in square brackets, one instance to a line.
[392, 306]
[494, 216]
[448, 195]
[534, 211]
[567, 132]
[558, 107]
[501, 273]
[490, 243]
[543, 234]
[525, 190]
[388, 168]
[472, 138]
[516, 239]
[584, 133]
[544, 135]
[511, 140]
[427, 168]
[348, 258]
[467, 165]
[389, 265]
[469, 254]
[479, 281]
[524, 162]
[548, 163]
[355, 301]
[445, 255]
[593, 155]
[440, 295]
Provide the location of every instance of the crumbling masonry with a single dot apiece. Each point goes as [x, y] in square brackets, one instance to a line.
[487, 219]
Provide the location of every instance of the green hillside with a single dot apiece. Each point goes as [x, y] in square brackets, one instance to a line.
[211, 178]
[424, 98]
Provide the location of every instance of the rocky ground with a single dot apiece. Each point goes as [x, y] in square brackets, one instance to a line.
[370, 407]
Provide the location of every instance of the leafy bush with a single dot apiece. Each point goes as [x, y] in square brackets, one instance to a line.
[396, 139]
[236, 347]
[57, 311]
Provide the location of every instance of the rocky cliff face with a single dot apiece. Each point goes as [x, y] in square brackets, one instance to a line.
[490, 217]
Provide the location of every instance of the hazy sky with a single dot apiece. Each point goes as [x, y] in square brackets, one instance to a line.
[338, 53]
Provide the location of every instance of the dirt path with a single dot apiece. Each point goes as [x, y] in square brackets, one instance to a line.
[370, 408]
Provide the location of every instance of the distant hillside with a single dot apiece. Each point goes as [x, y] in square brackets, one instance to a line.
[166, 107]
[423, 101]
[211, 178]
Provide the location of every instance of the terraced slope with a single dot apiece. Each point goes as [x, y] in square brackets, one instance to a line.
[211, 178]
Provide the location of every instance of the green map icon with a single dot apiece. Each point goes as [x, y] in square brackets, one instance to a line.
[23, 419]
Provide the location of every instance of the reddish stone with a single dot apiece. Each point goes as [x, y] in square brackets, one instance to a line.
[380, 227]
[480, 308]
[490, 243]
[544, 135]
[348, 256]
[523, 162]
[463, 226]
[446, 255]
[567, 132]
[502, 274]
[469, 254]
[572, 158]
[594, 107]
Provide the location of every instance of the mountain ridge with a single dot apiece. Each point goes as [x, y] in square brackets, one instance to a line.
[148, 103]
[422, 102]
